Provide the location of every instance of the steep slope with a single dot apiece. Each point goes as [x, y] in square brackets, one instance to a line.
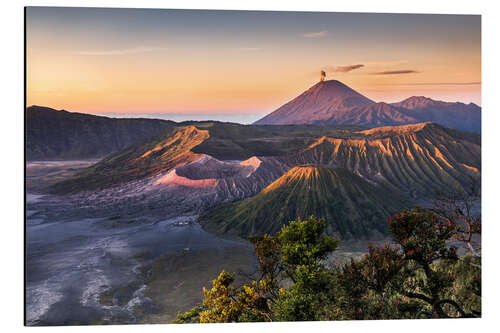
[54, 134]
[466, 117]
[138, 161]
[420, 159]
[318, 103]
[351, 206]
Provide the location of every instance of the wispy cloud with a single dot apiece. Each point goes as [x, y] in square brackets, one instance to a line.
[134, 50]
[343, 69]
[316, 34]
[475, 83]
[249, 48]
[404, 71]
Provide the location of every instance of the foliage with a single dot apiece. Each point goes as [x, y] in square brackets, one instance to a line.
[420, 275]
[294, 256]
[304, 247]
[424, 236]
[370, 285]
[457, 209]
[466, 289]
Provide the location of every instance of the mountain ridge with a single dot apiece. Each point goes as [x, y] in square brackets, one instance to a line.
[60, 134]
[406, 163]
[417, 159]
[334, 103]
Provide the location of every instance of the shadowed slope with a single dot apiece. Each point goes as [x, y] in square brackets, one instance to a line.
[59, 134]
[351, 206]
[466, 117]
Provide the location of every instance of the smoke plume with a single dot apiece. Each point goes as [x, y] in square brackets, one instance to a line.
[323, 75]
[344, 69]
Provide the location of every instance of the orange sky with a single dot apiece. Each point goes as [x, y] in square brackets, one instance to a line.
[241, 62]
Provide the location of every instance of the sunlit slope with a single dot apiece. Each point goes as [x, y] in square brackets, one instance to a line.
[420, 159]
[351, 206]
[138, 161]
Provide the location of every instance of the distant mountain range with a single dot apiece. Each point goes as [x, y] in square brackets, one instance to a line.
[334, 103]
[59, 134]
[355, 178]
[327, 154]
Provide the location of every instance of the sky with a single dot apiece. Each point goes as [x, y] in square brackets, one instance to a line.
[240, 65]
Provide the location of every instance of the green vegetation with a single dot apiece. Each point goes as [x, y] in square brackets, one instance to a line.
[351, 206]
[420, 276]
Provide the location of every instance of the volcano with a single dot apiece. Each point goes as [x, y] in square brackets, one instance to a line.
[318, 104]
[334, 103]
[351, 206]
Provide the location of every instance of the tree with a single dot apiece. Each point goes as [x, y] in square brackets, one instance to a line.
[304, 247]
[294, 256]
[418, 275]
[371, 286]
[423, 237]
[457, 209]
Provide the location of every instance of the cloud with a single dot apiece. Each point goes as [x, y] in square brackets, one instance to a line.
[343, 69]
[249, 48]
[317, 34]
[437, 84]
[404, 71]
[140, 49]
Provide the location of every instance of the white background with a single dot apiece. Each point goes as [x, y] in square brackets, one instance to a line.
[12, 164]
